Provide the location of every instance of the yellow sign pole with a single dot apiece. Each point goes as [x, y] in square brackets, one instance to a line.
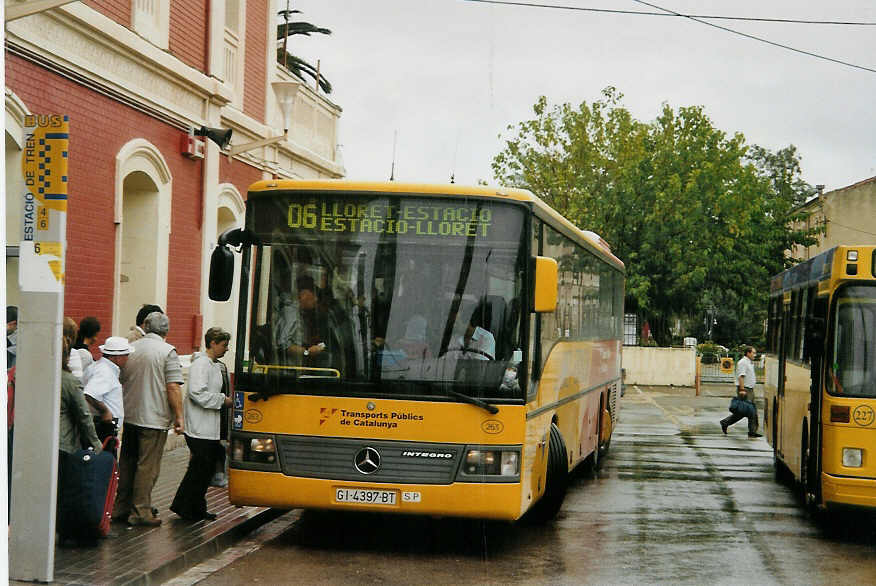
[38, 363]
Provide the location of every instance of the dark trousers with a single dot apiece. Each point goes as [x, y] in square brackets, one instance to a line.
[190, 501]
[752, 421]
[105, 429]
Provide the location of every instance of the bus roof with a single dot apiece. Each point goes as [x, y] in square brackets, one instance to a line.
[821, 268]
[541, 209]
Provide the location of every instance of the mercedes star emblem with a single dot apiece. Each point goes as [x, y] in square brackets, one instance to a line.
[367, 460]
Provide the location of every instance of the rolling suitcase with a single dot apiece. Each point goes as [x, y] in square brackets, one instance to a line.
[87, 487]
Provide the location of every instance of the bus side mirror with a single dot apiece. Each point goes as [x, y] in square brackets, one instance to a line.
[544, 298]
[222, 262]
[221, 273]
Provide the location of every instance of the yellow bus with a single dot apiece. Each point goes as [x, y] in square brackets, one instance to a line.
[419, 349]
[820, 380]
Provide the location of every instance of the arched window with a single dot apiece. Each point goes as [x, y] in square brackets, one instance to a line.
[142, 217]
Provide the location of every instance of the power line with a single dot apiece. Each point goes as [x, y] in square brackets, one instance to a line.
[762, 40]
[676, 14]
[702, 20]
[835, 223]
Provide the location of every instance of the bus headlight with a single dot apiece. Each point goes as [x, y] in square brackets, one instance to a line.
[479, 462]
[262, 449]
[256, 450]
[853, 457]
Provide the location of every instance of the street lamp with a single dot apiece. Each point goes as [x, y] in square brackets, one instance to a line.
[285, 91]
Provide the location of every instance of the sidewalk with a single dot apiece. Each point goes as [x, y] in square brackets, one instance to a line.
[151, 555]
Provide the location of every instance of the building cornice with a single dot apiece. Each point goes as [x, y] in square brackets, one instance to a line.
[83, 45]
[287, 149]
[86, 46]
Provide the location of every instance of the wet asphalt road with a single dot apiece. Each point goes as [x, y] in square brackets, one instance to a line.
[674, 502]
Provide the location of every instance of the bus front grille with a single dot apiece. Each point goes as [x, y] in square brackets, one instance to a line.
[369, 460]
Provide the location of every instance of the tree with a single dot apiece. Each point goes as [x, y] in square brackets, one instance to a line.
[698, 216]
[294, 64]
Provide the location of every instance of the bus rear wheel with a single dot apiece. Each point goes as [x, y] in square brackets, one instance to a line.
[556, 481]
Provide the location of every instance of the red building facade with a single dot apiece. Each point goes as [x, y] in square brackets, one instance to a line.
[142, 214]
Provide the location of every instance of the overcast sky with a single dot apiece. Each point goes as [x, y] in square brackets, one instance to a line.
[450, 75]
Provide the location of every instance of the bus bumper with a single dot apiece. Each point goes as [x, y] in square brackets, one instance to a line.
[844, 491]
[500, 501]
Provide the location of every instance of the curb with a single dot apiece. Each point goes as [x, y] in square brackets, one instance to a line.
[201, 552]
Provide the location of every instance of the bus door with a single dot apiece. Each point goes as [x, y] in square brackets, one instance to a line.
[816, 327]
[779, 407]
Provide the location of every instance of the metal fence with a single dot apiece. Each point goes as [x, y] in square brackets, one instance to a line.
[722, 369]
[631, 329]
[716, 369]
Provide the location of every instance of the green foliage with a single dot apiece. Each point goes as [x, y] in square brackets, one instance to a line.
[709, 347]
[700, 218]
[293, 64]
[300, 67]
[740, 349]
[288, 29]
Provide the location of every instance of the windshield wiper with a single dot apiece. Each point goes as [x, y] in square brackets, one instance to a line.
[473, 400]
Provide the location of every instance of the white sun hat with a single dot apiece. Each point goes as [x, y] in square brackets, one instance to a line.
[116, 346]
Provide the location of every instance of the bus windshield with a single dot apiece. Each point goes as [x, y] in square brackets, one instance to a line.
[853, 372]
[374, 294]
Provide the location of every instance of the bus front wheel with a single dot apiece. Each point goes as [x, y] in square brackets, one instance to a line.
[556, 482]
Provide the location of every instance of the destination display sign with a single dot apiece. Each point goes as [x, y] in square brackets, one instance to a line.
[414, 217]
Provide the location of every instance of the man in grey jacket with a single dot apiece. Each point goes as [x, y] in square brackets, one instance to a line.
[151, 381]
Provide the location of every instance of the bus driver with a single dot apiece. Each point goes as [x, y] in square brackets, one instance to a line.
[476, 343]
[302, 329]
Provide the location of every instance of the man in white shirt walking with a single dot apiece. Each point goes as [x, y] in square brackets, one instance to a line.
[102, 388]
[745, 381]
[204, 401]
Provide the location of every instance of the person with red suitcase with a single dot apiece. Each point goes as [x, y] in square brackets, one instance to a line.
[86, 473]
